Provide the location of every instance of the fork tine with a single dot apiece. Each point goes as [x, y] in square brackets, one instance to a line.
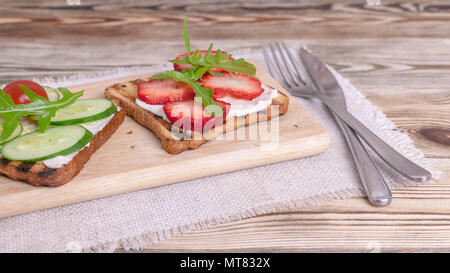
[279, 65]
[273, 70]
[268, 61]
[291, 59]
[286, 64]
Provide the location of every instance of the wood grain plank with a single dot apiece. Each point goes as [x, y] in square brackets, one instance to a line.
[369, 63]
[425, 118]
[156, 20]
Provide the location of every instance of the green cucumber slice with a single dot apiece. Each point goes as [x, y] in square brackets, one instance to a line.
[37, 146]
[15, 134]
[52, 94]
[84, 110]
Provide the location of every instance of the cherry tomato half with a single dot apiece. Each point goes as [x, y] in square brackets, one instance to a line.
[17, 94]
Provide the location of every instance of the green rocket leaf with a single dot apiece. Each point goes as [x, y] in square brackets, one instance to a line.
[38, 105]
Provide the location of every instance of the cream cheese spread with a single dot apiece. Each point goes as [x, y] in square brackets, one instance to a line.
[28, 126]
[156, 109]
[240, 107]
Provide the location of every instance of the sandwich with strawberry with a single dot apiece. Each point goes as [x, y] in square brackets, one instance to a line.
[207, 93]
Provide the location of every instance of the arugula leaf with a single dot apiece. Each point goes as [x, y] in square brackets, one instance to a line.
[5, 99]
[190, 76]
[187, 42]
[218, 60]
[38, 106]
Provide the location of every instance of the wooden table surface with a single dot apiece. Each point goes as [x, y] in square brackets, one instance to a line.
[397, 53]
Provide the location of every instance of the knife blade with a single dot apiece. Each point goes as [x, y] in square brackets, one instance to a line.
[322, 78]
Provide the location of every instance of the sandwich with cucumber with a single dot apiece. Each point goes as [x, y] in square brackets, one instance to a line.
[47, 135]
[207, 93]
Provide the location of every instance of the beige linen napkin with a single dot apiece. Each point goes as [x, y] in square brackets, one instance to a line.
[139, 219]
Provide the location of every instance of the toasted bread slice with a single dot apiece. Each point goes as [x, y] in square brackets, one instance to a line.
[124, 94]
[37, 174]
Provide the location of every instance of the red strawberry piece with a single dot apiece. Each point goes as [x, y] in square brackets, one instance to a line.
[237, 85]
[179, 67]
[161, 91]
[193, 115]
[219, 94]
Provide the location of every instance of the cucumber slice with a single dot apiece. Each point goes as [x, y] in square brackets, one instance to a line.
[36, 146]
[15, 134]
[52, 94]
[84, 110]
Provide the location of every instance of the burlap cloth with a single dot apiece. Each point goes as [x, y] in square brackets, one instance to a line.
[139, 219]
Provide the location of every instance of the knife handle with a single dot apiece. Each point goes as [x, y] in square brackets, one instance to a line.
[378, 193]
[386, 152]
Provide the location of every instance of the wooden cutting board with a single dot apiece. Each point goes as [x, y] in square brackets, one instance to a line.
[133, 158]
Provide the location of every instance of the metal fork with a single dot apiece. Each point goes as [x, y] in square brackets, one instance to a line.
[377, 191]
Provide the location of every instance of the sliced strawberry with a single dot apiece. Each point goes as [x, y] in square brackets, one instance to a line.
[179, 67]
[219, 94]
[165, 90]
[237, 85]
[193, 114]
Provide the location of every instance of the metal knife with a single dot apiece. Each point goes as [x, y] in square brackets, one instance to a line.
[377, 191]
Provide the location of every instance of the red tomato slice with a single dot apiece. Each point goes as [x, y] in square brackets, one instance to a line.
[17, 94]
